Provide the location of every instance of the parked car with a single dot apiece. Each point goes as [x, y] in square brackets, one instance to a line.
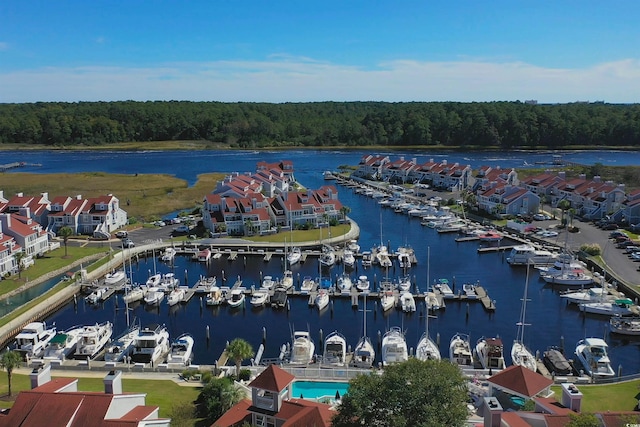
[122, 234]
[128, 243]
[541, 217]
[610, 226]
[631, 249]
[616, 233]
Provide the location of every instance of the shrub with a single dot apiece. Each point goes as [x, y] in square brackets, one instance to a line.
[592, 249]
[244, 375]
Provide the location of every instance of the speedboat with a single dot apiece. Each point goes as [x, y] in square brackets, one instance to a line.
[205, 284]
[469, 290]
[404, 284]
[294, 255]
[489, 351]
[33, 339]
[308, 284]
[353, 246]
[366, 259]
[625, 325]
[168, 282]
[556, 363]
[267, 282]
[335, 349]
[404, 255]
[363, 284]
[451, 226]
[302, 348]
[175, 296]
[592, 353]
[150, 345]
[181, 350]
[134, 294]
[97, 295]
[279, 298]
[442, 286]
[63, 344]
[287, 279]
[529, 255]
[431, 299]
[387, 300]
[154, 280]
[382, 257]
[344, 283]
[460, 351]
[394, 347]
[115, 278]
[322, 299]
[619, 307]
[236, 298]
[407, 302]
[348, 258]
[168, 255]
[328, 256]
[259, 298]
[154, 296]
[92, 340]
[118, 349]
[215, 296]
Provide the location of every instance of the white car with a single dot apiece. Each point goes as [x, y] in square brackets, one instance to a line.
[550, 233]
[541, 217]
[121, 234]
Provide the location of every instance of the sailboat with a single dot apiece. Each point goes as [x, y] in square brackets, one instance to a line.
[520, 354]
[364, 353]
[427, 349]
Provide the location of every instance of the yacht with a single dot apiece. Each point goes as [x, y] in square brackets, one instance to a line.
[33, 339]
[308, 285]
[451, 226]
[587, 295]
[259, 298]
[176, 295]
[408, 302]
[168, 255]
[93, 339]
[328, 256]
[592, 353]
[181, 351]
[625, 325]
[382, 257]
[364, 354]
[236, 298]
[363, 284]
[118, 349]
[529, 255]
[575, 277]
[335, 349]
[394, 347]
[489, 351]
[150, 345]
[619, 307]
[344, 283]
[460, 351]
[168, 282]
[115, 278]
[353, 246]
[154, 296]
[427, 349]
[267, 282]
[348, 258]
[294, 255]
[215, 296]
[63, 344]
[322, 299]
[302, 349]
[520, 354]
[134, 294]
[287, 279]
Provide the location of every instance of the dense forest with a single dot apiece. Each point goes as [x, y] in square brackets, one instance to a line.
[503, 125]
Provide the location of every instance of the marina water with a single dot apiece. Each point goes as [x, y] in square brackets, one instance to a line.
[552, 322]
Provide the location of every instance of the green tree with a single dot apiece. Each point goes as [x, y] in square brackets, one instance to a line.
[563, 205]
[412, 393]
[19, 256]
[239, 350]
[345, 210]
[583, 420]
[9, 361]
[65, 232]
[218, 396]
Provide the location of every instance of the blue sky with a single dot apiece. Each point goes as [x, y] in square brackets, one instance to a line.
[296, 51]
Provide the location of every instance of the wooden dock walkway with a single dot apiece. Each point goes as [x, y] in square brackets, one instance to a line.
[491, 249]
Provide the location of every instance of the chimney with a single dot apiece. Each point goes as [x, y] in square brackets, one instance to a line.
[582, 176]
[571, 397]
[40, 375]
[78, 196]
[562, 174]
[492, 412]
[596, 178]
[113, 382]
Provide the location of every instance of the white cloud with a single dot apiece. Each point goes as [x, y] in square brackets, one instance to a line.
[282, 78]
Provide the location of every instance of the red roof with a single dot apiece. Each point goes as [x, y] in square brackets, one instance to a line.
[521, 380]
[273, 379]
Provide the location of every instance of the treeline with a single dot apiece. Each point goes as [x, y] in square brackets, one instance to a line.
[254, 125]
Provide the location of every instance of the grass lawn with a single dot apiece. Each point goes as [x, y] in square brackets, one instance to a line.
[302, 235]
[611, 397]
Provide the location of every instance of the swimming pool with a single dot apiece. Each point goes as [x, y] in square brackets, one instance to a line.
[314, 390]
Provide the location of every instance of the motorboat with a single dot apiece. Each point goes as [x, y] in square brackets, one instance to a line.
[287, 279]
[363, 283]
[520, 354]
[490, 354]
[176, 295]
[154, 280]
[592, 353]
[382, 257]
[150, 345]
[404, 284]
[93, 339]
[279, 297]
[327, 256]
[344, 283]
[348, 258]
[574, 277]
[469, 291]
[561, 264]
[625, 325]
[181, 351]
[302, 348]
[134, 294]
[205, 284]
[529, 255]
[619, 307]
[322, 299]
[367, 258]
[267, 282]
[307, 285]
[215, 296]
[451, 226]
[118, 349]
[168, 255]
[431, 299]
[442, 286]
[387, 300]
[335, 349]
[33, 339]
[407, 302]
[259, 298]
[204, 255]
[587, 295]
[154, 296]
[556, 363]
[353, 246]
[364, 354]
[236, 298]
[394, 347]
[97, 295]
[168, 282]
[294, 255]
[62, 345]
[115, 278]
[460, 351]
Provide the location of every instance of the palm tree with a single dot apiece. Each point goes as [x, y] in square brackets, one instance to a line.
[344, 210]
[19, 256]
[563, 205]
[238, 350]
[65, 232]
[9, 361]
